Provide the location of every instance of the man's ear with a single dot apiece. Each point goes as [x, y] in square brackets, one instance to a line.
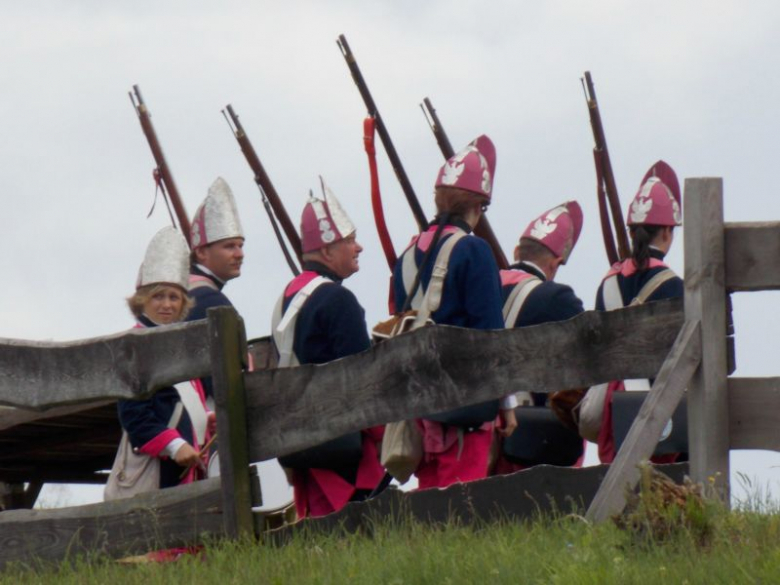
[516, 254]
[200, 254]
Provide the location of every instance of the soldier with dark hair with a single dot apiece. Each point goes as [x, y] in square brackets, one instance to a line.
[652, 216]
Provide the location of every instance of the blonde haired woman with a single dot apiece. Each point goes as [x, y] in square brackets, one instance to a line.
[173, 424]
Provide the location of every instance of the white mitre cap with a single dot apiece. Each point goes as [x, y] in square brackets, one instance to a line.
[166, 260]
[217, 217]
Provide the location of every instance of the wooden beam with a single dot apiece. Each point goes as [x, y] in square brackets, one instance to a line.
[657, 409]
[55, 440]
[754, 413]
[524, 495]
[133, 364]
[753, 256]
[53, 471]
[705, 301]
[163, 519]
[439, 368]
[11, 417]
[228, 345]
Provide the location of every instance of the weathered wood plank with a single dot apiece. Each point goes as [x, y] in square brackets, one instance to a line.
[646, 430]
[11, 417]
[54, 472]
[438, 368]
[519, 496]
[705, 301]
[167, 518]
[752, 255]
[754, 413]
[228, 344]
[132, 364]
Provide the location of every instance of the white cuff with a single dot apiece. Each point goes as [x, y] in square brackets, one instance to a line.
[171, 448]
[509, 402]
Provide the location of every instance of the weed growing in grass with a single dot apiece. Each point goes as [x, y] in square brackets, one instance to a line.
[662, 511]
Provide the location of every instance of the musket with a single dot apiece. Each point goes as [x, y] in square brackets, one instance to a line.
[606, 188]
[162, 173]
[267, 191]
[395, 161]
[483, 228]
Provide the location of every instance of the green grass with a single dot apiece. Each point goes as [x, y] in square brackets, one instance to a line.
[743, 547]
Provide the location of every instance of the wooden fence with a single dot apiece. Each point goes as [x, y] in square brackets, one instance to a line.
[267, 413]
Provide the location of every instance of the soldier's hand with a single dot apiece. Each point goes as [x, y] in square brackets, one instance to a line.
[186, 456]
[510, 423]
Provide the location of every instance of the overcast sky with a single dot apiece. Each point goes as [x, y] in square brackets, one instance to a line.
[694, 83]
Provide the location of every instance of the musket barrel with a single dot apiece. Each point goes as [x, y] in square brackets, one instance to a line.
[395, 161]
[607, 174]
[264, 182]
[159, 158]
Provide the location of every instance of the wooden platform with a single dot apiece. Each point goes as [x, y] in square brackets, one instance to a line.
[69, 444]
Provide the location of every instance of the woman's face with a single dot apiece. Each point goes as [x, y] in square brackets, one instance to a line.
[165, 305]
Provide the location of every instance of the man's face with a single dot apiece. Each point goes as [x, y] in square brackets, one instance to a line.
[342, 257]
[223, 258]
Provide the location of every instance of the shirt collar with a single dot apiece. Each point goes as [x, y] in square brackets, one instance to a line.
[529, 267]
[657, 253]
[321, 269]
[452, 220]
[201, 270]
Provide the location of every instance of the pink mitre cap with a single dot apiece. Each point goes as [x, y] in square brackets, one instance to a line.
[659, 200]
[472, 169]
[324, 221]
[558, 229]
[217, 217]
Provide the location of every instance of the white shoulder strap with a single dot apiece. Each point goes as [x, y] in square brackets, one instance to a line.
[284, 325]
[517, 298]
[612, 297]
[198, 417]
[652, 285]
[433, 293]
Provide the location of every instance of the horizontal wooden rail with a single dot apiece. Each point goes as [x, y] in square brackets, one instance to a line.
[132, 364]
[162, 519]
[439, 368]
[752, 256]
[524, 495]
[754, 413]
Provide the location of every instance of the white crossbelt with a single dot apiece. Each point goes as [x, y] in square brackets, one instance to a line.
[284, 325]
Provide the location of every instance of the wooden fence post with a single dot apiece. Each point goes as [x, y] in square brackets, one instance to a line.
[228, 346]
[657, 409]
[705, 301]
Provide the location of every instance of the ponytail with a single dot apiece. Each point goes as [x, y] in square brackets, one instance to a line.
[641, 237]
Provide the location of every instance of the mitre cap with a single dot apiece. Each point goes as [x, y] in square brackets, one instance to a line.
[659, 200]
[472, 169]
[166, 260]
[324, 221]
[558, 229]
[217, 217]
